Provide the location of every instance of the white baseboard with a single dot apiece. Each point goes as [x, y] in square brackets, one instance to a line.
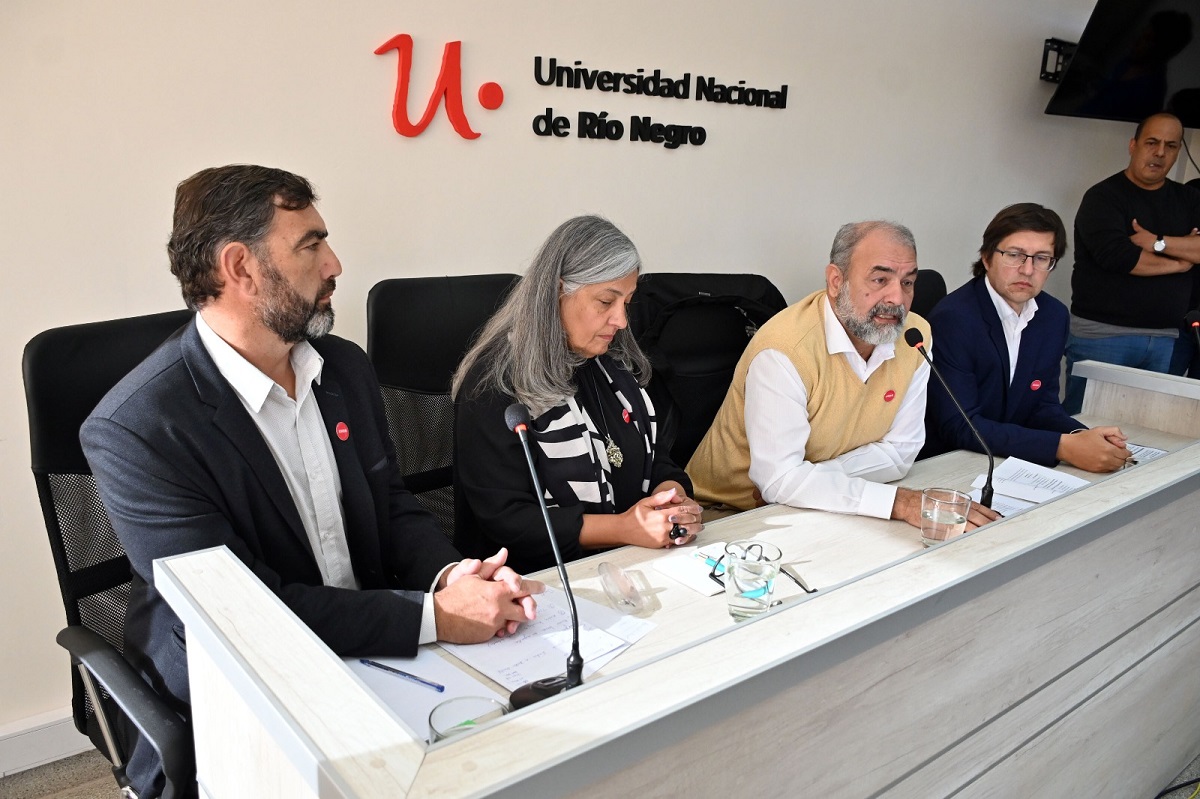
[38, 740]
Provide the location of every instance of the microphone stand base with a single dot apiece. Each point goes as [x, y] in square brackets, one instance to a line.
[538, 690]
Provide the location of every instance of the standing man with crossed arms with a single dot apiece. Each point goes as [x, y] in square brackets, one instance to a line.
[1135, 245]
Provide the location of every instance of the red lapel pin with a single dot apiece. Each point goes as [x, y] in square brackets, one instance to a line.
[343, 432]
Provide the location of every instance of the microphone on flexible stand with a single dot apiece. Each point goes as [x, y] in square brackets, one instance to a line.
[914, 339]
[516, 416]
[1193, 321]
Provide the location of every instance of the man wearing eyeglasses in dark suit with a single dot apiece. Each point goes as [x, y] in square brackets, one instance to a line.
[1000, 344]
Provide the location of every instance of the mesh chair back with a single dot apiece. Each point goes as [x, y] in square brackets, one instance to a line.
[67, 371]
[694, 328]
[418, 329]
[928, 291]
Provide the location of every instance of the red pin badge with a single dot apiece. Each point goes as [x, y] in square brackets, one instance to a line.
[1035, 385]
[625, 415]
[889, 396]
[343, 432]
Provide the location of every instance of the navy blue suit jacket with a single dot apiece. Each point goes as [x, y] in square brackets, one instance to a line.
[181, 466]
[1024, 419]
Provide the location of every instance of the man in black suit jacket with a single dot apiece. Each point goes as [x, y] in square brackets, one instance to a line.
[253, 429]
[1000, 350]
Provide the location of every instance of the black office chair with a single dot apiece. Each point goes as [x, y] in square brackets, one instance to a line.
[928, 291]
[67, 371]
[418, 329]
[694, 328]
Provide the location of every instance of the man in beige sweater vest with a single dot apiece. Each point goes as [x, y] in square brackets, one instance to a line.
[824, 409]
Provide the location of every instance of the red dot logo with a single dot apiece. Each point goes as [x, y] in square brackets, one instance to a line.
[491, 96]
[343, 432]
[625, 415]
[1035, 385]
[889, 396]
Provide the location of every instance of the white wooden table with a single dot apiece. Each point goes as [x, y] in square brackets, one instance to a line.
[1047, 651]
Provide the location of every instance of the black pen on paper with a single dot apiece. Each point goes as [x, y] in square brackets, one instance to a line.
[404, 674]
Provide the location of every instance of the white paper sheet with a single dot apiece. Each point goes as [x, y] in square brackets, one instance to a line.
[1030, 482]
[411, 702]
[1143, 454]
[539, 649]
[1005, 506]
[687, 567]
[629, 629]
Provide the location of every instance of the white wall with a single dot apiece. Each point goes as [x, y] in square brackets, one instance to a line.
[927, 111]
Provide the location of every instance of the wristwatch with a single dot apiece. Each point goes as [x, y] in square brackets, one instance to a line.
[1160, 244]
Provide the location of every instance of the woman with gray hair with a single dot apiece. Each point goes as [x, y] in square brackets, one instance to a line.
[560, 345]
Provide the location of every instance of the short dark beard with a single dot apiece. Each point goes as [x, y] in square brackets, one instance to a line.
[862, 328]
[289, 315]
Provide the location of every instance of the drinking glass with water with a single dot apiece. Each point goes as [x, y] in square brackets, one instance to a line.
[943, 514]
[750, 571]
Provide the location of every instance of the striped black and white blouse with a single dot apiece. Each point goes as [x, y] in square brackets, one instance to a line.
[494, 500]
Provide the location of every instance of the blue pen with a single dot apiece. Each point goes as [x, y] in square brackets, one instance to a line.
[710, 562]
[414, 678]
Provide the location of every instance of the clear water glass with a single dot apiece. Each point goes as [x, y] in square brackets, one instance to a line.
[750, 571]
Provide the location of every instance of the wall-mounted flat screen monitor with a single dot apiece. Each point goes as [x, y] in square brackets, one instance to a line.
[1135, 59]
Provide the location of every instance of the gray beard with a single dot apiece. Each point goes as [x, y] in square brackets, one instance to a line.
[320, 323]
[862, 328]
[295, 319]
[290, 316]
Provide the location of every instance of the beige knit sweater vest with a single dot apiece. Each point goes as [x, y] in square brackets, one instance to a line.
[844, 412]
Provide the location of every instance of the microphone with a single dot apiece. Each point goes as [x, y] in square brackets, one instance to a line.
[516, 416]
[1193, 321]
[914, 339]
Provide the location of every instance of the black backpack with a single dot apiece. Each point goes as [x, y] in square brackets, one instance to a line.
[694, 328]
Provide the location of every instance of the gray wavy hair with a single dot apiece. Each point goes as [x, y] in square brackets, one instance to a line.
[523, 349]
[850, 235]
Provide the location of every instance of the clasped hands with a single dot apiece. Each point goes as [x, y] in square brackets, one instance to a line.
[1100, 449]
[653, 518]
[478, 599]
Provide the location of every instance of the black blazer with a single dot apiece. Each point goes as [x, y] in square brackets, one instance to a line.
[1025, 418]
[181, 466]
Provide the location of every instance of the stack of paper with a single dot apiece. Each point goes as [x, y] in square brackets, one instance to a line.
[539, 649]
[1020, 484]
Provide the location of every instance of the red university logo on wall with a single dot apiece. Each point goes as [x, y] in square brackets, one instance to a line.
[448, 87]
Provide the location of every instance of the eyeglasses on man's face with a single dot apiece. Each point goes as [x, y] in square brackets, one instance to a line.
[1015, 259]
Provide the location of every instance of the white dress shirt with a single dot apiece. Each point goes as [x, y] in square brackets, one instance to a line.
[1013, 323]
[294, 432]
[777, 428]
